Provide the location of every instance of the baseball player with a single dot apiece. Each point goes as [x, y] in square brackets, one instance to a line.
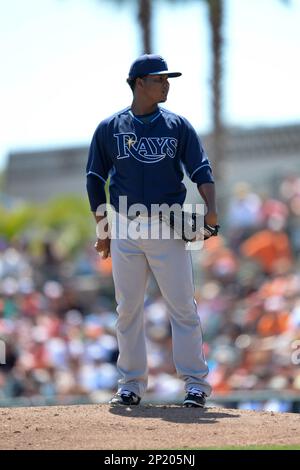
[143, 149]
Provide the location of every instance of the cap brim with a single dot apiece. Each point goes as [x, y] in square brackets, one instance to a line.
[166, 72]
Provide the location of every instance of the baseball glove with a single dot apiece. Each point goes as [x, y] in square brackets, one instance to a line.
[210, 231]
[189, 226]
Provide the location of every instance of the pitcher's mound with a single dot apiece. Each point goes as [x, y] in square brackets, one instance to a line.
[143, 427]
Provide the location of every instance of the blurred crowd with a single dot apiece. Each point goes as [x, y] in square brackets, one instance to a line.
[57, 316]
[249, 301]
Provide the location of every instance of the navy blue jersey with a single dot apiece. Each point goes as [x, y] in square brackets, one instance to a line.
[144, 158]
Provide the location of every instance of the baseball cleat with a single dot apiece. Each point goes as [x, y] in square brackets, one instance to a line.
[194, 399]
[125, 398]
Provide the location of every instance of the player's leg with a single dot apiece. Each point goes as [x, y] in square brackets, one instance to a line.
[171, 265]
[130, 272]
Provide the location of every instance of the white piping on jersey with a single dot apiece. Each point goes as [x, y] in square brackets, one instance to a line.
[201, 166]
[134, 117]
[155, 117]
[96, 174]
[140, 121]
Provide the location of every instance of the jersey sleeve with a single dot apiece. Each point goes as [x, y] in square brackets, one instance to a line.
[99, 163]
[194, 158]
[97, 170]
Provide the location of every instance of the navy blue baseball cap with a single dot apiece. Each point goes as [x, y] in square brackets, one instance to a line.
[150, 64]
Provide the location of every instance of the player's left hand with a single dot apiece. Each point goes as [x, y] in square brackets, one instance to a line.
[211, 226]
[211, 218]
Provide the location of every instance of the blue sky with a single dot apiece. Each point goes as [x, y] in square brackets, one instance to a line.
[64, 65]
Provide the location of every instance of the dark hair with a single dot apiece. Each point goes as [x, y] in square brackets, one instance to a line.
[131, 82]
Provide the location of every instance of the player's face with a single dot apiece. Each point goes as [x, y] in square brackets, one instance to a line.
[156, 87]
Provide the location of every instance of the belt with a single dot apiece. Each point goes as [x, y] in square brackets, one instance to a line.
[140, 216]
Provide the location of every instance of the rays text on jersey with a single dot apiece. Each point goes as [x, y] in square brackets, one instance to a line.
[145, 149]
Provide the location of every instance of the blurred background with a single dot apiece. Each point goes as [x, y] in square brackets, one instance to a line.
[64, 65]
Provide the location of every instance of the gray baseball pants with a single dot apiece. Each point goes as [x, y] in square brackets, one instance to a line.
[171, 265]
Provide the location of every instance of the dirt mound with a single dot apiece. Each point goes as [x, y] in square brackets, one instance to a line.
[144, 427]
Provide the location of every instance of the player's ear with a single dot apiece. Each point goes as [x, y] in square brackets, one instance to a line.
[139, 83]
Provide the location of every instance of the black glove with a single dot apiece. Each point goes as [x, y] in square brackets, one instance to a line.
[188, 225]
[210, 231]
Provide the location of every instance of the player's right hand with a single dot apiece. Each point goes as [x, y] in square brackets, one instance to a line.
[103, 247]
